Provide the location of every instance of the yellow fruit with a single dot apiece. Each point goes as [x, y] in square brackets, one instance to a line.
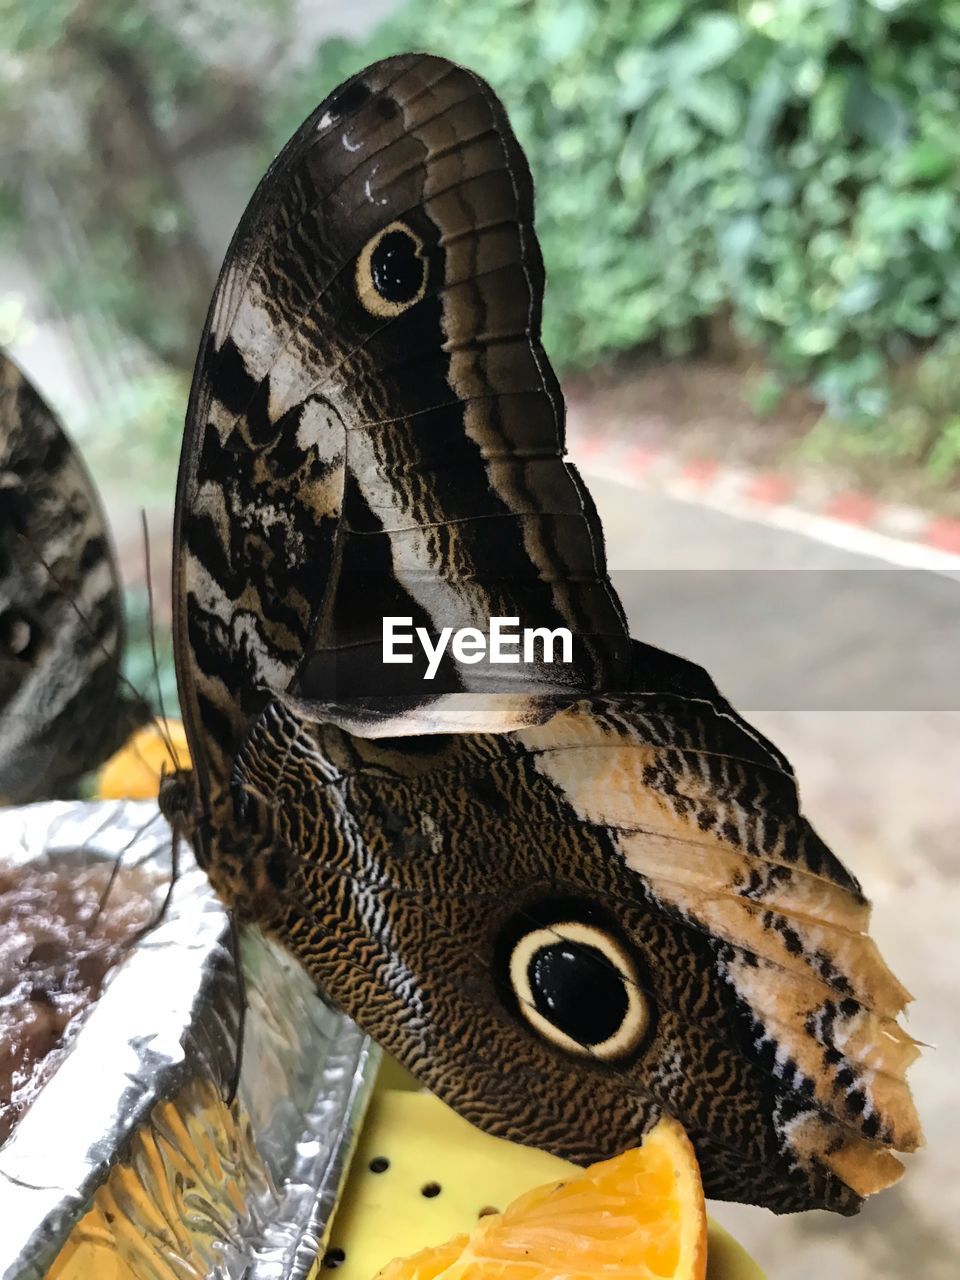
[639, 1216]
[134, 772]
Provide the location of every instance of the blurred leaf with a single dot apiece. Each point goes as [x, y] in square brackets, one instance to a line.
[715, 103]
[944, 460]
[765, 394]
[641, 72]
[814, 340]
[564, 29]
[765, 105]
[925, 161]
[860, 296]
[712, 39]
[875, 114]
[738, 239]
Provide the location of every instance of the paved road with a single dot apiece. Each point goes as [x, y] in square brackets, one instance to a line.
[813, 627]
[843, 664]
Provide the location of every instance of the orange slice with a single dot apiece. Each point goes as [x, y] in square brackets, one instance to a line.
[133, 772]
[639, 1216]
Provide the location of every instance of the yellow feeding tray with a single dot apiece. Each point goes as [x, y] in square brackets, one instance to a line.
[420, 1174]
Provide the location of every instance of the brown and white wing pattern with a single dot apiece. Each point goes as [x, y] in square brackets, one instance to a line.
[374, 427]
[61, 625]
[618, 897]
[569, 901]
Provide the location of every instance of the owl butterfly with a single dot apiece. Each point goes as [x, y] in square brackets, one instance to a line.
[571, 898]
[61, 620]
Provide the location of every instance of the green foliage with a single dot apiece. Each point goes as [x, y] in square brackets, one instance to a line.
[157, 685]
[765, 393]
[178, 35]
[102, 103]
[135, 440]
[795, 161]
[930, 400]
[921, 424]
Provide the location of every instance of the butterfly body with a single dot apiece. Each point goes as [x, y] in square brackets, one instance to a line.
[568, 897]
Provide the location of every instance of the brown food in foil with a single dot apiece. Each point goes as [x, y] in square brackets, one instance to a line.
[56, 949]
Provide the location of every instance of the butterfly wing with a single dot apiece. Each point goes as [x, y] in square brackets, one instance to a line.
[374, 427]
[568, 916]
[567, 906]
[61, 624]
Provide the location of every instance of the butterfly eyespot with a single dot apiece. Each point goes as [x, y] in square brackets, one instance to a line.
[391, 271]
[577, 986]
[19, 637]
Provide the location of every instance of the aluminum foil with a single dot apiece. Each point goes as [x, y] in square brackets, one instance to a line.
[129, 1164]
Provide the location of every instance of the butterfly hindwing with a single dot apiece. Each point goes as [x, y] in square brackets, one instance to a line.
[424, 861]
[568, 898]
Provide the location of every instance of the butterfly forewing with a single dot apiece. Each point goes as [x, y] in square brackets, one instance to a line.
[570, 900]
[373, 419]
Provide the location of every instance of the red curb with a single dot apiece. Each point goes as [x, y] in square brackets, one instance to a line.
[642, 459]
[769, 488]
[854, 508]
[700, 471]
[943, 533]
[589, 446]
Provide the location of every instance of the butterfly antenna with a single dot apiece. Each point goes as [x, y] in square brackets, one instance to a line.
[113, 874]
[176, 836]
[165, 733]
[115, 869]
[168, 896]
[108, 887]
[241, 1028]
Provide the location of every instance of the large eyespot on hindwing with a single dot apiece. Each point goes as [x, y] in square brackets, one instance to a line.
[391, 271]
[575, 983]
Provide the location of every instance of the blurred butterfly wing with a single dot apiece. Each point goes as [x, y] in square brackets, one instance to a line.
[374, 427]
[61, 623]
[616, 896]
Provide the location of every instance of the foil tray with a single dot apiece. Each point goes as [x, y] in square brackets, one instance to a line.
[129, 1163]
